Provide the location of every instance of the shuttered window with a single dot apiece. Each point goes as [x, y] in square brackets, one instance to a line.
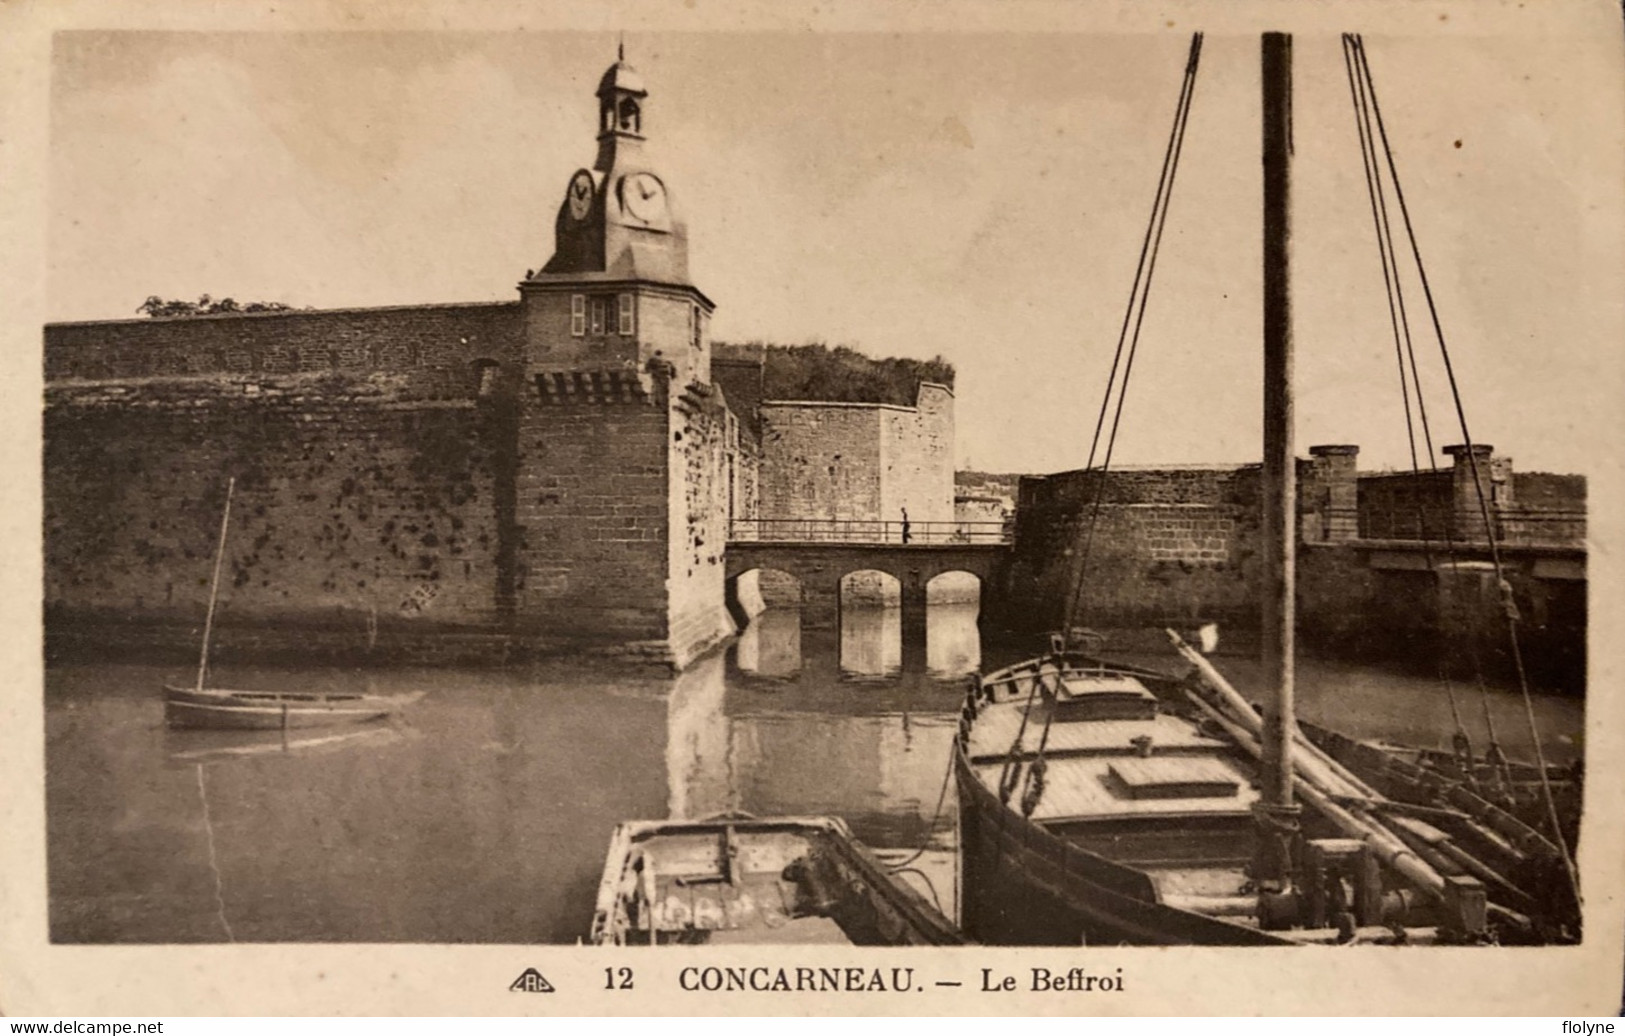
[626, 314]
[578, 315]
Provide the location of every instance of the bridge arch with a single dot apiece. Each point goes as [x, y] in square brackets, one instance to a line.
[955, 586]
[750, 592]
[870, 588]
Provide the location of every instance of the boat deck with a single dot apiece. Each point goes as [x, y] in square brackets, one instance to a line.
[1095, 770]
[1153, 793]
[1083, 789]
[995, 733]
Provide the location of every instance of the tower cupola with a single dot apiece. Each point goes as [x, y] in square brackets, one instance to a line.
[621, 100]
[616, 293]
[618, 218]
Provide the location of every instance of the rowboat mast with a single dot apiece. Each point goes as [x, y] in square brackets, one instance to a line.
[214, 586]
[1278, 813]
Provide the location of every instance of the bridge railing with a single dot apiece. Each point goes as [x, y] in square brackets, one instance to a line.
[857, 530]
[1513, 526]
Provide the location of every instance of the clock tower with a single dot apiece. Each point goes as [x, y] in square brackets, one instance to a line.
[623, 448]
[616, 295]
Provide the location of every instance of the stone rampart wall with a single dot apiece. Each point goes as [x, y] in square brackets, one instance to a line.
[436, 350]
[356, 506]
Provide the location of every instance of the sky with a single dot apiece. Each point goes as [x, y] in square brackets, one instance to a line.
[979, 196]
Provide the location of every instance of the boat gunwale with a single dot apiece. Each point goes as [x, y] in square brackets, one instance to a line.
[274, 710]
[226, 695]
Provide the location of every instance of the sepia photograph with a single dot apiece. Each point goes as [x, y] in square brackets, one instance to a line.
[609, 485]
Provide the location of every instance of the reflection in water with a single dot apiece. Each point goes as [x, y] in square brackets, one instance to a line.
[199, 746]
[953, 643]
[771, 645]
[485, 813]
[871, 642]
[699, 753]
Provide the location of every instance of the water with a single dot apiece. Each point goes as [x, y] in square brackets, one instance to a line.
[483, 813]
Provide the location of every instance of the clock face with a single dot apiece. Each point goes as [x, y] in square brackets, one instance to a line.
[644, 197]
[580, 196]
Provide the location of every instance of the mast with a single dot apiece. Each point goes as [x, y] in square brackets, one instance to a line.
[214, 586]
[1280, 466]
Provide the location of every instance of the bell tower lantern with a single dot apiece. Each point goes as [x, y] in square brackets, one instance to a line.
[621, 97]
[616, 295]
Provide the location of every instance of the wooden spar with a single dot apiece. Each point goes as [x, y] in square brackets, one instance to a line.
[1304, 754]
[214, 586]
[1389, 848]
[1280, 465]
[1338, 768]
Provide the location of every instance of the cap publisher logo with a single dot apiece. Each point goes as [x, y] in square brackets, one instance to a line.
[530, 981]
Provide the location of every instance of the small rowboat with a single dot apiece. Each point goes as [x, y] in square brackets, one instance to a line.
[736, 879]
[222, 709]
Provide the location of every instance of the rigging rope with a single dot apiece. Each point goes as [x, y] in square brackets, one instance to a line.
[1509, 608]
[1008, 778]
[1404, 350]
[1495, 757]
[1139, 292]
[936, 814]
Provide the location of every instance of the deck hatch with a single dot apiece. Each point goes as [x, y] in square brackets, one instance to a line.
[1173, 778]
[1092, 696]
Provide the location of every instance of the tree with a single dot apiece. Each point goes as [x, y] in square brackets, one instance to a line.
[156, 306]
[844, 375]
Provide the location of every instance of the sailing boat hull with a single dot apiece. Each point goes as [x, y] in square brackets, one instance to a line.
[1023, 886]
[1058, 875]
[264, 710]
[1026, 884]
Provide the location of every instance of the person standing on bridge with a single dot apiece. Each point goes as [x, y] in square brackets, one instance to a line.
[905, 524]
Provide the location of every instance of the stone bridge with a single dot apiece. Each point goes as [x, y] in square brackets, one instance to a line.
[820, 566]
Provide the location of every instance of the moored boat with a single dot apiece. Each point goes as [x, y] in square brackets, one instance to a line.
[1445, 777]
[1495, 826]
[224, 709]
[1100, 803]
[1086, 811]
[1107, 803]
[742, 879]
